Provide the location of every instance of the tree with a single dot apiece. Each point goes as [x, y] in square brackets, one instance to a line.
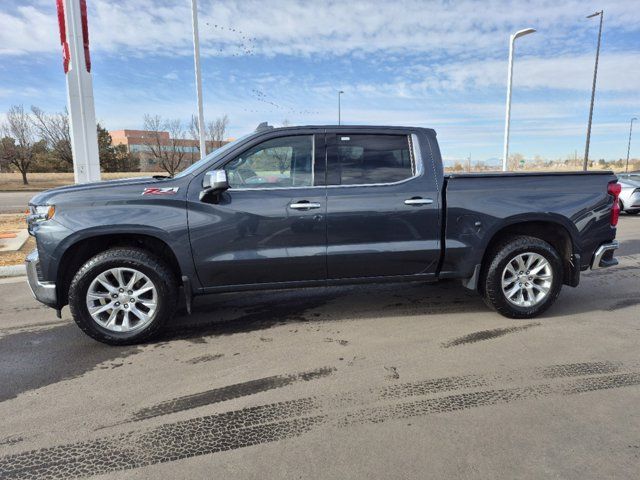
[54, 129]
[115, 158]
[19, 127]
[514, 161]
[194, 130]
[162, 140]
[8, 152]
[217, 130]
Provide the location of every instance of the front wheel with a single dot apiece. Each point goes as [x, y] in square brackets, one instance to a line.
[122, 296]
[523, 278]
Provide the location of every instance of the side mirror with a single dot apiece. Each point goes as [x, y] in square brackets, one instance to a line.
[215, 180]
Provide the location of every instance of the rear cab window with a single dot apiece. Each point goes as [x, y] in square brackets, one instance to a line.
[369, 159]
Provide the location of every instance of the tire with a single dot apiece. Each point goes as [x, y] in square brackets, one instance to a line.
[141, 322]
[504, 257]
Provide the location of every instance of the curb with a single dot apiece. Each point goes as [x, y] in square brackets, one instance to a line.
[13, 271]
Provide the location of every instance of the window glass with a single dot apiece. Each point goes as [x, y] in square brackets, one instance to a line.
[366, 159]
[279, 162]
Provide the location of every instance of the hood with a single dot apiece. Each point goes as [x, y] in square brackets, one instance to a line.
[47, 196]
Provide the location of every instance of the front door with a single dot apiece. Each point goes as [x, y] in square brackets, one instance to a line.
[270, 226]
[382, 207]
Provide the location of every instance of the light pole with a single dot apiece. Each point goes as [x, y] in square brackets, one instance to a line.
[593, 90]
[196, 61]
[505, 151]
[626, 170]
[339, 113]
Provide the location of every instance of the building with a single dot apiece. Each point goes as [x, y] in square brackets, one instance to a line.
[138, 141]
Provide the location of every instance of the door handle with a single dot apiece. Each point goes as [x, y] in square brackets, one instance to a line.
[418, 201]
[304, 205]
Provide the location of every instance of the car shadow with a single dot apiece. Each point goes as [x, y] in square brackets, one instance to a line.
[227, 314]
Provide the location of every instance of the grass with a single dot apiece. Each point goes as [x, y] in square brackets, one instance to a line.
[12, 182]
[9, 223]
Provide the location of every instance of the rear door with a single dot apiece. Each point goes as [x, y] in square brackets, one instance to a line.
[269, 226]
[382, 206]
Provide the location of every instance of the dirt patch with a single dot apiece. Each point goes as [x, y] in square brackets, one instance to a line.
[9, 223]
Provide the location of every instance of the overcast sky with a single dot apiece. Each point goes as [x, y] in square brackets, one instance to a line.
[439, 64]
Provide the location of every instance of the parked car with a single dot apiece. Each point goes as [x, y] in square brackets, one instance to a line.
[314, 206]
[630, 195]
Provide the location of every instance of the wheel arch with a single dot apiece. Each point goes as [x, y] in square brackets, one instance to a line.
[77, 252]
[553, 231]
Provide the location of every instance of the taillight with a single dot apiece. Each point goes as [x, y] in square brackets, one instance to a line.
[614, 190]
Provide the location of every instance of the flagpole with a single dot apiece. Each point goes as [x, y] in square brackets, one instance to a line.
[196, 61]
[74, 38]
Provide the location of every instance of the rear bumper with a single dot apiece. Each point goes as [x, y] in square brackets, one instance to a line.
[603, 256]
[44, 292]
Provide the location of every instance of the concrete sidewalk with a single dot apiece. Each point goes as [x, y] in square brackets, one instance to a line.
[13, 240]
[13, 271]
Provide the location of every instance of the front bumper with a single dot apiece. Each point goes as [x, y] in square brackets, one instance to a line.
[603, 256]
[44, 292]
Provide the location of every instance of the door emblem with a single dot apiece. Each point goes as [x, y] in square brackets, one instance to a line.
[160, 191]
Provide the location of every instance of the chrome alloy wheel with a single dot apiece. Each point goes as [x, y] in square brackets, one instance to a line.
[122, 299]
[527, 279]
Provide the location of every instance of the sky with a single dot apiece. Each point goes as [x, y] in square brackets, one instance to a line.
[440, 64]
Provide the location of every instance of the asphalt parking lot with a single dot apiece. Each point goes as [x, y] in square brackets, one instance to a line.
[391, 381]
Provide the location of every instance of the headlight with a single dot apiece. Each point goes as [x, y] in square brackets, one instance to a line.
[40, 213]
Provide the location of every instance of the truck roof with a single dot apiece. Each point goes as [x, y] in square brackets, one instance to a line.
[264, 127]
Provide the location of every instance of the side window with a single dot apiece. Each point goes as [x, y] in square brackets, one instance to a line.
[368, 159]
[279, 162]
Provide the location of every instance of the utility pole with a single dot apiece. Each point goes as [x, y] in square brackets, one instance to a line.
[339, 112]
[196, 62]
[629, 145]
[507, 120]
[593, 90]
[74, 38]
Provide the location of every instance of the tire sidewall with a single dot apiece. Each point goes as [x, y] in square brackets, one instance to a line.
[496, 269]
[101, 263]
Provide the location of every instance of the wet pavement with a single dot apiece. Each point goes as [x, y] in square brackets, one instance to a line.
[387, 381]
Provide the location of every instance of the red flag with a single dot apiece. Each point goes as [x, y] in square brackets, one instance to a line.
[63, 36]
[85, 34]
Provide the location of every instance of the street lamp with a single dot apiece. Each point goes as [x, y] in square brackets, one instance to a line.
[626, 170]
[196, 62]
[339, 113]
[593, 89]
[505, 152]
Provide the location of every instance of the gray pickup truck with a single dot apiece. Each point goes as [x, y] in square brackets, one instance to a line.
[314, 206]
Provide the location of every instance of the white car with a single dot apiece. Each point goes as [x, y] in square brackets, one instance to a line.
[630, 195]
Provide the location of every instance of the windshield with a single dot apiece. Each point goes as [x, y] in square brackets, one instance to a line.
[212, 156]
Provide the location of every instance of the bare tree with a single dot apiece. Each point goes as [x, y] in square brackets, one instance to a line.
[54, 129]
[194, 131]
[515, 161]
[162, 139]
[21, 148]
[217, 130]
[285, 123]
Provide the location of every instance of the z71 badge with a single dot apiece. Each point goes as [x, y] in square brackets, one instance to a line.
[160, 191]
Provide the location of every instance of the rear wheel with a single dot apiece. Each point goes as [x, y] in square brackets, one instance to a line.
[523, 278]
[122, 296]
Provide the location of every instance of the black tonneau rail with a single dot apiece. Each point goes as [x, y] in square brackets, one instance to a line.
[524, 174]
